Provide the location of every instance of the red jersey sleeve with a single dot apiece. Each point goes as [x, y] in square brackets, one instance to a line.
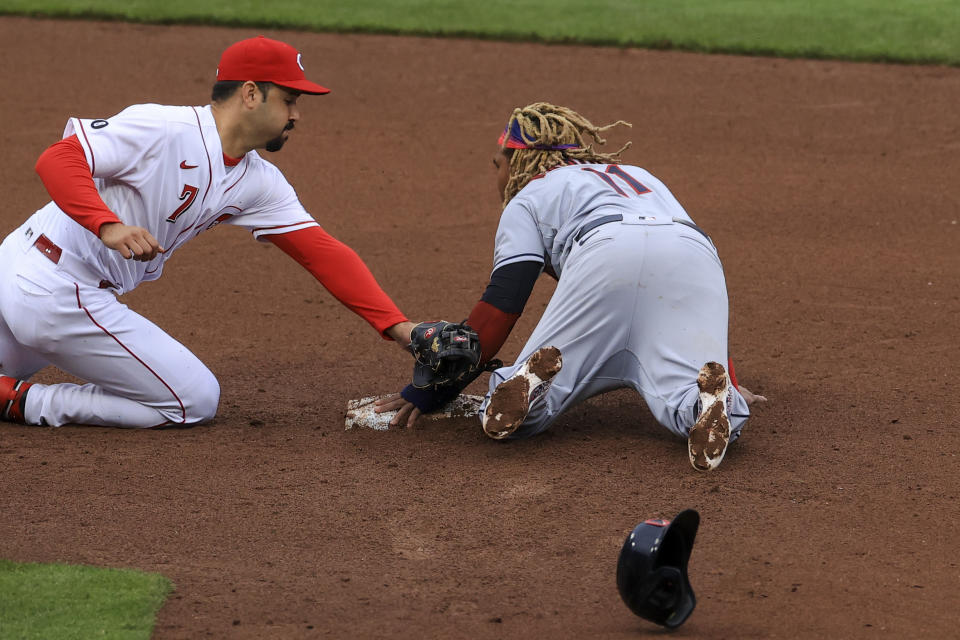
[492, 326]
[341, 271]
[65, 173]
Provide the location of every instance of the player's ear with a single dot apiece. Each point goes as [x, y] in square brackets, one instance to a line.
[249, 94]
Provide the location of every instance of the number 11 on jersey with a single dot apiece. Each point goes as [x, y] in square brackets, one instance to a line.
[616, 170]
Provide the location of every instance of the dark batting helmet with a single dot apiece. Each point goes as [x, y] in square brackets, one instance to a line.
[652, 569]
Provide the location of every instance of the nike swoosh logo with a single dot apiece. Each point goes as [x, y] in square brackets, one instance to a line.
[184, 165]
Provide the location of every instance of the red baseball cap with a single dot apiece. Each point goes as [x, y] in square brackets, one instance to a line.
[264, 60]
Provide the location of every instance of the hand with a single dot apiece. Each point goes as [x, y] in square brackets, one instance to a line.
[750, 397]
[130, 242]
[406, 411]
[400, 333]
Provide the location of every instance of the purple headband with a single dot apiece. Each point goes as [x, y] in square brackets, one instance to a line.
[516, 141]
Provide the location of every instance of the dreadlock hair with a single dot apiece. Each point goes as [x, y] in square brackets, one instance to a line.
[544, 125]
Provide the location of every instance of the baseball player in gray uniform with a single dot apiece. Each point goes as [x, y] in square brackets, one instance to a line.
[640, 302]
[127, 191]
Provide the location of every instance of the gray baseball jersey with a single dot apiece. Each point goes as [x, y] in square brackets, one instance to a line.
[641, 300]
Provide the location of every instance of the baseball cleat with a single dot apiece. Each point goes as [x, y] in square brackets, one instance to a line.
[709, 436]
[13, 397]
[511, 400]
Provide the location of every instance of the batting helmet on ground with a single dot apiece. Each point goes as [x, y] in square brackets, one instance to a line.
[652, 569]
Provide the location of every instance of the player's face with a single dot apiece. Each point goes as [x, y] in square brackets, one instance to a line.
[279, 112]
[502, 162]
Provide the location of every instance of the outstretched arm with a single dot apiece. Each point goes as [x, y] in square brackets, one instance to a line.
[400, 332]
[493, 317]
[750, 397]
[341, 271]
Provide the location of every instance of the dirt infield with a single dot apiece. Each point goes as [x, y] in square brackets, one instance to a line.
[827, 188]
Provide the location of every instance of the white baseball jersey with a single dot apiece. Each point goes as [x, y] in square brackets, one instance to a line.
[157, 167]
[641, 299]
[161, 168]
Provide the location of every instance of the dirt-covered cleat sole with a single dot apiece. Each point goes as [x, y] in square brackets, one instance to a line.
[709, 436]
[511, 400]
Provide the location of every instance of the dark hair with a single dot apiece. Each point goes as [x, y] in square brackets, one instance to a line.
[226, 88]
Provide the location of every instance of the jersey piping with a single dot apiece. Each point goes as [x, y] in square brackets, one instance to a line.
[206, 150]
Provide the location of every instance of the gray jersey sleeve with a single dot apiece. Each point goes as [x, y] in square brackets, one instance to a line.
[518, 237]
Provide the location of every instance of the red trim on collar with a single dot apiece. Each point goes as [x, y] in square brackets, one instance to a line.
[231, 162]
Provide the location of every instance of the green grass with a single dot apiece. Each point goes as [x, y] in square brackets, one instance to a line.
[924, 31]
[44, 601]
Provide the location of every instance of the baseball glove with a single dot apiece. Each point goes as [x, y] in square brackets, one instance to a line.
[447, 354]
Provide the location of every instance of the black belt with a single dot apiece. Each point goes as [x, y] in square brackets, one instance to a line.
[616, 217]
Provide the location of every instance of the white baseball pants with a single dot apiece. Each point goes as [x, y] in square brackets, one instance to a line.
[136, 375]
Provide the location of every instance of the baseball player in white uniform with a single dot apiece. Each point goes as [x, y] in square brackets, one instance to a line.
[641, 299]
[127, 192]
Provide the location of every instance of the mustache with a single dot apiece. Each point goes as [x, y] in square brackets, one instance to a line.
[289, 126]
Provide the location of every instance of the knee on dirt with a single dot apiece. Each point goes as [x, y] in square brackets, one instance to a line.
[201, 399]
